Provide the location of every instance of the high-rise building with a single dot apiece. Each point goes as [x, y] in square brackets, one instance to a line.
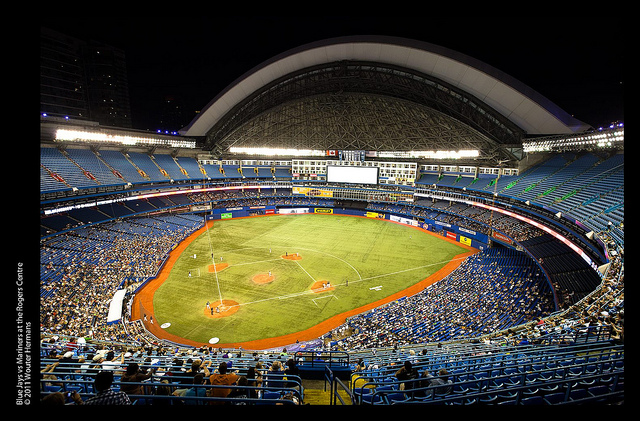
[63, 88]
[83, 80]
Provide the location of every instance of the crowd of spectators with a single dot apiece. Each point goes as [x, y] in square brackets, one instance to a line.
[602, 308]
[82, 269]
[461, 215]
[254, 197]
[483, 295]
[154, 370]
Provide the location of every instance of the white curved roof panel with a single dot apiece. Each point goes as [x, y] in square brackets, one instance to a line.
[522, 105]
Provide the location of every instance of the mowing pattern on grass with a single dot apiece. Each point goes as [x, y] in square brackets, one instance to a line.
[276, 270]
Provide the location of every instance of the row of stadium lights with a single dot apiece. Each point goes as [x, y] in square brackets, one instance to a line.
[381, 154]
[613, 137]
[87, 136]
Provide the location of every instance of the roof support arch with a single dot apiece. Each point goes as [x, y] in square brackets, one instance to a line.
[369, 78]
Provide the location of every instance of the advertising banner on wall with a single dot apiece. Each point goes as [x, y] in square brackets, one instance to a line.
[502, 238]
[283, 211]
[406, 221]
[311, 192]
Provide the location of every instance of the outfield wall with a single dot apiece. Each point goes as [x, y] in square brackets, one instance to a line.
[465, 236]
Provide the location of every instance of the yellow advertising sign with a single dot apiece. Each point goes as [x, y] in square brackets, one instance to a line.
[465, 240]
[312, 192]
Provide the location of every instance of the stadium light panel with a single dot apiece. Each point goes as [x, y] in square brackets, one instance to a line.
[277, 151]
[93, 137]
[604, 139]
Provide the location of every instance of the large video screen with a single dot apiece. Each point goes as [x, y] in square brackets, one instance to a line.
[353, 175]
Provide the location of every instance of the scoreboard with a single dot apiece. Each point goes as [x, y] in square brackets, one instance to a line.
[348, 155]
[351, 156]
[353, 175]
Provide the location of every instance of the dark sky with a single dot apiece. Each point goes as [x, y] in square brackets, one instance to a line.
[574, 62]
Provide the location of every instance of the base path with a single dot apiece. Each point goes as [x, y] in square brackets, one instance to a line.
[217, 267]
[145, 297]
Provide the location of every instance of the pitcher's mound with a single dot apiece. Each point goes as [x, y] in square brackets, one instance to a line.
[217, 267]
[318, 287]
[292, 257]
[263, 278]
[221, 309]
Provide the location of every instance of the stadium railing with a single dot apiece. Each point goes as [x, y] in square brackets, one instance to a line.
[533, 374]
[314, 363]
[268, 394]
[336, 385]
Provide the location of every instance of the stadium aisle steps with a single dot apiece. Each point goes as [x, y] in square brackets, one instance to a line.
[314, 393]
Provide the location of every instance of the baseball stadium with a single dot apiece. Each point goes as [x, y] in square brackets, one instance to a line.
[358, 221]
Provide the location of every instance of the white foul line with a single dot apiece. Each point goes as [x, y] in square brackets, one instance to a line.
[305, 271]
[297, 294]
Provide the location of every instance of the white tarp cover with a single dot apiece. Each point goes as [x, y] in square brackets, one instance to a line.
[115, 308]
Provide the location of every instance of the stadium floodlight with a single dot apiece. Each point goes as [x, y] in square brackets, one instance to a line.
[124, 139]
[594, 140]
[463, 153]
[277, 151]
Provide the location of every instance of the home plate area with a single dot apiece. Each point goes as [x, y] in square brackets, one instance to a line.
[220, 308]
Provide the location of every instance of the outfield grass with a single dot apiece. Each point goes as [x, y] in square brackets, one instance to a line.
[364, 260]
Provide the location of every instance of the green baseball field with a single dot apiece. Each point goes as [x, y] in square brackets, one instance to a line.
[254, 279]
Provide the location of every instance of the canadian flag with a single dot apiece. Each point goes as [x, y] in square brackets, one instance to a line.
[332, 153]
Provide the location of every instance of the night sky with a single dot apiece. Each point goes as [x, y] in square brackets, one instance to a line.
[574, 62]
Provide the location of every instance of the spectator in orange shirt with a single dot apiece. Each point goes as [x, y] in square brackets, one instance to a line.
[221, 377]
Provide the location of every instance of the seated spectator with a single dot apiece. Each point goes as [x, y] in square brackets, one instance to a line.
[134, 375]
[240, 392]
[442, 381]
[104, 394]
[405, 373]
[291, 368]
[221, 377]
[193, 391]
[60, 398]
[254, 378]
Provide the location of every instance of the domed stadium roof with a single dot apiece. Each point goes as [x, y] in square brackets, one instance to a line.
[377, 93]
